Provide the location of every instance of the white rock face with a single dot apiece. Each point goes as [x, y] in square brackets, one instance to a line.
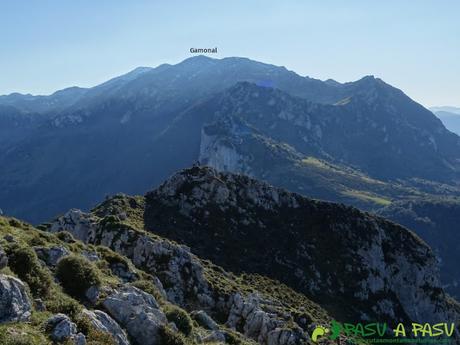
[221, 156]
[103, 322]
[15, 305]
[138, 312]
[412, 284]
[205, 320]
[78, 223]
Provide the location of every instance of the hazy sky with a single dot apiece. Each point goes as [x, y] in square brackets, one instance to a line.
[47, 45]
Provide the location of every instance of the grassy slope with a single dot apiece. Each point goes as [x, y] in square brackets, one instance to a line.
[33, 333]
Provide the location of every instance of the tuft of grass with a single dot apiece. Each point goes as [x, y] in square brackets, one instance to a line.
[180, 318]
[112, 257]
[148, 286]
[22, 334]
[170, 337]
[93, 335]
[59, 302]
[65, 236]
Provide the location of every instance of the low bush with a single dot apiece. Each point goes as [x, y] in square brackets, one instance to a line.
[76, 275]
[24, 262]
[180, 318]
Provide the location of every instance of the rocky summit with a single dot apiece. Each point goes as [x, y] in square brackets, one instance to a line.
[354, 263]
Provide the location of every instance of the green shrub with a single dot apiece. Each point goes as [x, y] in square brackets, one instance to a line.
[170, 337]
[180, 318]
[77, 274]
[24, 262]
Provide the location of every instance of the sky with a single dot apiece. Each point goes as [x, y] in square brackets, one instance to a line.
[47, 45]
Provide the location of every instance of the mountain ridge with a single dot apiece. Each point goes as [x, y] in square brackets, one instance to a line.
[124, 124]
[244, 224]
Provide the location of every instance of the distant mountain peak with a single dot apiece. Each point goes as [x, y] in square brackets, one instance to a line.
[69, 89]
[448, 109]
[370, 80]
[141, 69]
[332, 82]
[198, 59]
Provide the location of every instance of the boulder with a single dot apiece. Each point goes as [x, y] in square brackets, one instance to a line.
[51, 256]
[204, 320]
[15, 305]
[79, 339]
[39, 304]
[138, 312]
[9, 238]
[123, 271]
[103, 322]
[61, 327]
[92, 294]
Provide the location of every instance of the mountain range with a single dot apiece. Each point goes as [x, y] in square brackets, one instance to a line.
[450, 117]
[362, 143]
[77, 145]
[276, 204]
